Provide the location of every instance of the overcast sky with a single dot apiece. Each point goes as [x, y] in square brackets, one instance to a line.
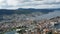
[38, 4]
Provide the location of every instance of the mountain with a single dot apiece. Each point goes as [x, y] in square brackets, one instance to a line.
[5, 11]
[24, 11]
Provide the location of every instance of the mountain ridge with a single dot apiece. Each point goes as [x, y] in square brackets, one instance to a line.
[25, 11]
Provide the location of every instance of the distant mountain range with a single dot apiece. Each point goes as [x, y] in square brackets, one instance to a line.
[24, 11]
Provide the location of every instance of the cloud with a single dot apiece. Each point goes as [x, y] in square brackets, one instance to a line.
[40, 4]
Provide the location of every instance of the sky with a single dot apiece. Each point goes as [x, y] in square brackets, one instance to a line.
[37, 4]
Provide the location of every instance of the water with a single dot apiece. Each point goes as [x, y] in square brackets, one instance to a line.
[49, 15]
